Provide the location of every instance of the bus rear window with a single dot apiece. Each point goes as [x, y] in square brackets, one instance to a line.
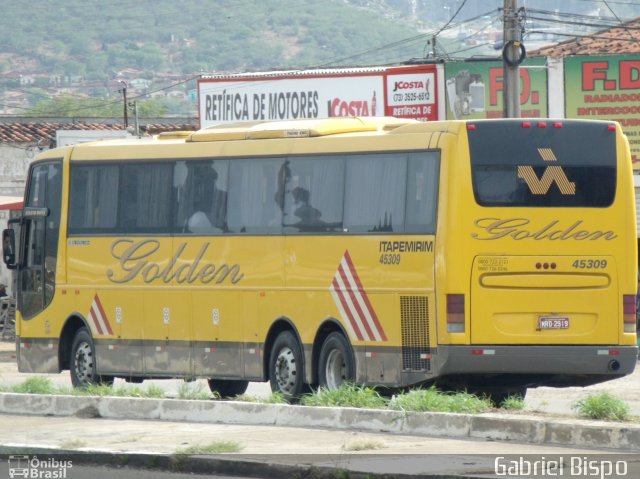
[572, 164]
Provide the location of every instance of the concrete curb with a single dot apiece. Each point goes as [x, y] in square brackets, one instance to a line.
[492, 426]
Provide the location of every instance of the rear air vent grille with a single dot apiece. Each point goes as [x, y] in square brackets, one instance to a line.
[414, 318]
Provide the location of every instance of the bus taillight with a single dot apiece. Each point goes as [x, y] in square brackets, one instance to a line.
[455, 313]
[629, 312]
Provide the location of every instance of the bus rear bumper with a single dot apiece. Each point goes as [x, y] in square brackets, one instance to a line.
[612, 361]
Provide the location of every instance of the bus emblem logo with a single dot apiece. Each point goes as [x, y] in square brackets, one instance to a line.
[99, 321]
[553, 173]
[355, 308]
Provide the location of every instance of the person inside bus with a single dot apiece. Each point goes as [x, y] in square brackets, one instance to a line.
[209, 206]
[309, 216]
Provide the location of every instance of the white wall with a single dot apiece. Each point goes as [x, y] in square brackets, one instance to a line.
[14, 163]
[555, 87]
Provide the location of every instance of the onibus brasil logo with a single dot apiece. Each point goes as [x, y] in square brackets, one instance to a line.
[35, 468]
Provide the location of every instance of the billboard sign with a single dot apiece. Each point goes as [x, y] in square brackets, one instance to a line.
[606, 88]
[405, 92]
[475, 89]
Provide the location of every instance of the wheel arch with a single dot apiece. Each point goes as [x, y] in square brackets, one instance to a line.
[328, 326]
[278, 326]
[73, 323]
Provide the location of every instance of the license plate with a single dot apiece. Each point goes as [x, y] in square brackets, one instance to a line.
[553, 322]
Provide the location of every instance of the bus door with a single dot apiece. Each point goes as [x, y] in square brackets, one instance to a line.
[40, 229]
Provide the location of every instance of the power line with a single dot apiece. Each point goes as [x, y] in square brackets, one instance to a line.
[464, 2]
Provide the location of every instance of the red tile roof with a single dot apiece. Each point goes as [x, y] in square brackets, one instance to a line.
[45, 132]
[616, 40]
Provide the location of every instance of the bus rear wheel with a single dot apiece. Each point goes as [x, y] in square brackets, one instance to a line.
[286, 373]
[228, 388]
[336, 365]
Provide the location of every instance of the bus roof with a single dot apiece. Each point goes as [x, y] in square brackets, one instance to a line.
[296, 128]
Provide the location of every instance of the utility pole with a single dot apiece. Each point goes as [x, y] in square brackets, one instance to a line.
[123, 90]
[513, 54]
[134, 105]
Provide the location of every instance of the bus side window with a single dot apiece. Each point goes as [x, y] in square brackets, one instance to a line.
[253, 194]
[422, 192]
[375, 193]
[314, 199]
[145, 202]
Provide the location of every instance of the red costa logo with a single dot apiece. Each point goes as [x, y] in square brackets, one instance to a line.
[403, 85]
[338, 107]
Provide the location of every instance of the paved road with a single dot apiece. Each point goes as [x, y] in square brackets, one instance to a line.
[268, 446]
[279, 451]
[81, 471]
[544, 399]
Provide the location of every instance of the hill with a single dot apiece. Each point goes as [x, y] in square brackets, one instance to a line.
[83, 48]
[96, 39]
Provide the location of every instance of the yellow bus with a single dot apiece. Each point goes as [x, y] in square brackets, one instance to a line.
[488, 255]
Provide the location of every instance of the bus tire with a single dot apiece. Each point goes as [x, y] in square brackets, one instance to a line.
[228, 388]
[335, 364]
[286, 366]
[82, 364]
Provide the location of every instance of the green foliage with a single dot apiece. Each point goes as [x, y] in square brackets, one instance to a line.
[193, 391]
[273, 398]
[363, 445]
[602, 406]
[216, 447]
[347, 395]
[513, 403]
[233, 36]
[34, 385]
[150, 391]
[422, 400]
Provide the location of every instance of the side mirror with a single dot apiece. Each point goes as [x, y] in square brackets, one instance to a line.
[9, 248]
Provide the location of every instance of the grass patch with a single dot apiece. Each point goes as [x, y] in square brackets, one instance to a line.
[193, 391]
[363, 445]
[151, 391]
[513, 403]
[34, 385]
[73, 444]
[347, 395]
[216, 447]
[273, 398]
[602, 406]
[127, 439]
[423, 400]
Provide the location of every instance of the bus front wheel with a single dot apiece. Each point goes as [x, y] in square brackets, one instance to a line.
[286, 373]
[83, 360]
[228, 388]
[336, 364]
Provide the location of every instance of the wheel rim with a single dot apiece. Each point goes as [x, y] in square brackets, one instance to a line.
[335, 369]
[84, 363]
[286, 371]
